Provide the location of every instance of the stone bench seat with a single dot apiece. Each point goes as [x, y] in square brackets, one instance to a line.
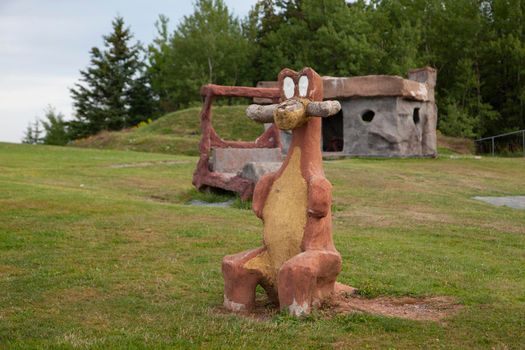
[255, 170]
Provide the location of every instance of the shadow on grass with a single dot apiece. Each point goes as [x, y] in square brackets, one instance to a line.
[210, 195]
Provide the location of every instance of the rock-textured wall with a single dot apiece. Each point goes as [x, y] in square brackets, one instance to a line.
[388, 116]
[389, 127]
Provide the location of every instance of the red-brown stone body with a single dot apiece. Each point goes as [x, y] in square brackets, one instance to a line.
[298, 263]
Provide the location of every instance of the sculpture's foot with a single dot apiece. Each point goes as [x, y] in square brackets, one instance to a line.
[307, 279]
[339, 289]
[299, 310]
[240, 282]
[233, 306]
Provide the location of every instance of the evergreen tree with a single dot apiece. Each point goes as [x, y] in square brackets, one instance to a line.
[37, 132]
[33, 133]
[114, 90]
[55, 128]
[28, 135]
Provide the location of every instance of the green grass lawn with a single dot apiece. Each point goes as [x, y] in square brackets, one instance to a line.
[98, 250]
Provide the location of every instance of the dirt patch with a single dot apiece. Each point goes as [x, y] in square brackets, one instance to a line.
[418, 309]
[142, 235]
[73, 295]
[9, 270]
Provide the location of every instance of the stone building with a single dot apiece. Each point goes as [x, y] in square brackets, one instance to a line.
[381, 115]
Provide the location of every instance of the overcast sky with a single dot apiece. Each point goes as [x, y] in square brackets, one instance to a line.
[44, 44]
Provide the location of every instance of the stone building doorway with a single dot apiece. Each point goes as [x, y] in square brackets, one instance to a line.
[333, 135]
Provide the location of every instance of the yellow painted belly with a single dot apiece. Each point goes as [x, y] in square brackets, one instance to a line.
[284, 216]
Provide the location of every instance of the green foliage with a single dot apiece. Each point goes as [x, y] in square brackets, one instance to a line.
[455, 121]
[160, 68]
[144, 123]
[28, 135]
[113, 92]
[55, 128]
[32, 134]
[240, 204]
[477, 47]
[207, 47]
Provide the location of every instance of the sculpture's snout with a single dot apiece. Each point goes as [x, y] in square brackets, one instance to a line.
[292, 113]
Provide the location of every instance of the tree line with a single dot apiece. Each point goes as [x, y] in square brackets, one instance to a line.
[477, 46]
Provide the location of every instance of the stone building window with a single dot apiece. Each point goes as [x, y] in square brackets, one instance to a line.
[415, 116]
[368, 116]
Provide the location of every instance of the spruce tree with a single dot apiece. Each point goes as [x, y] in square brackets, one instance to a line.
[28, 135]
[113, 92]
[33, 133]
[37, 132]
[55, 128]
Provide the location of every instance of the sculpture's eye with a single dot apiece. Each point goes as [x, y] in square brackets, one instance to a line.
[288, 87]
[303, 86]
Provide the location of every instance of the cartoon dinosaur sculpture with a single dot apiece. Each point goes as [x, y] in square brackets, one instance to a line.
[298, 263]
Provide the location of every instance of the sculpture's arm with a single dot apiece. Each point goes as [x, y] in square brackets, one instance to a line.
[319, 196]
[260, 193]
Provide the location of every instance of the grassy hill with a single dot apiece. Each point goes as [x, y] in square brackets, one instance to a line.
[99, 250]
[179, 133]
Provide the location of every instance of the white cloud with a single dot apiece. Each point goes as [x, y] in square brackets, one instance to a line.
[22, 98]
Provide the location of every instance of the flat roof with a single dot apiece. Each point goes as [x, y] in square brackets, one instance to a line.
[369, 86]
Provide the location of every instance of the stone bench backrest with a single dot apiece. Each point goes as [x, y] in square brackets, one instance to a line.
[232, 160]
